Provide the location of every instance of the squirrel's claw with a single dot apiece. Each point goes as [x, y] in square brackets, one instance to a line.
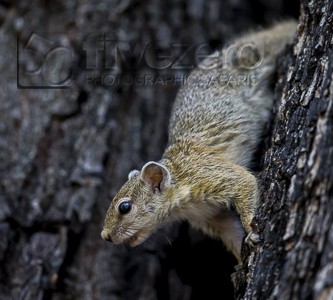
[253, 239]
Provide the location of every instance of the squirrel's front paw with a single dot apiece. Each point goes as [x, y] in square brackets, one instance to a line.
[253, 238]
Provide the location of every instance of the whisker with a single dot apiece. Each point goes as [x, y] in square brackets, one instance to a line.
[168, 240]
[133, 227]
[128, 234]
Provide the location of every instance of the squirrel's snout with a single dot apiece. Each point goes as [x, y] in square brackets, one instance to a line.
[105, 234]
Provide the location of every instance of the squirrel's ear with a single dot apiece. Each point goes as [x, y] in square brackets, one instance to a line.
[155, 175]
[132, 174]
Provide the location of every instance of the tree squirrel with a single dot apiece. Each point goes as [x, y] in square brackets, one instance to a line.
[215, 127]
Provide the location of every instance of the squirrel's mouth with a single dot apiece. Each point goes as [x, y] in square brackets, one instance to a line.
[133, 238]
[138, 238]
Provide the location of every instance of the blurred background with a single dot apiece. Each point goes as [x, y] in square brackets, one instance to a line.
[86, 89]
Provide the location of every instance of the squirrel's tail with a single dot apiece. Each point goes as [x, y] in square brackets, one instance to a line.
[260, 48]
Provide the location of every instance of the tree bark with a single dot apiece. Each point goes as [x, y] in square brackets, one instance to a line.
[295, 216]
[65, 151]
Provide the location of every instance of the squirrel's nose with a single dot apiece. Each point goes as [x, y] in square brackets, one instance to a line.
[105, 234]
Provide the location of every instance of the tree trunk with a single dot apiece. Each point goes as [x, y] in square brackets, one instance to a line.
[86, 92]
[295, 216]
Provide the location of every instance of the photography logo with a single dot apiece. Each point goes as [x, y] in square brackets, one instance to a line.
[46, 60]
[43, 62]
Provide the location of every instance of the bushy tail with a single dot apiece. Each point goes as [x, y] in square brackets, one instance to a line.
[260, 48]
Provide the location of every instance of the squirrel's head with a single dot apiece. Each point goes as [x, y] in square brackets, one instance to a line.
[135, 212]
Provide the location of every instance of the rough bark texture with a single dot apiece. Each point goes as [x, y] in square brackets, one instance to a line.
[65, 152]
[295, 216]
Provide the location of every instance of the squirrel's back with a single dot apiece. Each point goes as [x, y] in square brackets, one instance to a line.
[228, 98]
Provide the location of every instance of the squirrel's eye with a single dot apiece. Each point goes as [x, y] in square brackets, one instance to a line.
[124, 207]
